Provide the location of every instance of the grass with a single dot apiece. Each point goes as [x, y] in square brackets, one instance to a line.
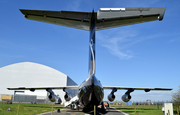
[31, 109]
[26, 108]
[142, 109]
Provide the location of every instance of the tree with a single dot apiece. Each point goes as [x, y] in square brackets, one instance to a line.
[176, 97]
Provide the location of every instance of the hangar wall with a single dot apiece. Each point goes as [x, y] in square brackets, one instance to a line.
[70, 82]
[25, 98]
[29, 74]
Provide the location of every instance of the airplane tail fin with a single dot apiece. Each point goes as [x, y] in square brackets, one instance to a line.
[92, 45]
[105, 18]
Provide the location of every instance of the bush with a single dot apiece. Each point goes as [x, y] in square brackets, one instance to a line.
[176, 97]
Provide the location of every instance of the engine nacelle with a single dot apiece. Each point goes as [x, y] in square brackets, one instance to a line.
[67, 97]
[52, 97]
[126, 97]
[111, 97]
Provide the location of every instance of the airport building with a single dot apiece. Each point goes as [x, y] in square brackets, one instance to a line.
[29, 74]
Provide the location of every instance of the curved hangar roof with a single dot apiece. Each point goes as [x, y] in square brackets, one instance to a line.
[28, 74]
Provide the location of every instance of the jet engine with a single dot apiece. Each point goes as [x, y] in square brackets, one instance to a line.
[67, 96]
[52, 97]
[111, 96]
[126, 97]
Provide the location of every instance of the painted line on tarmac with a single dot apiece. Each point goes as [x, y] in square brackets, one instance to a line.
[51, 112]
[120, 111]
[45, 113]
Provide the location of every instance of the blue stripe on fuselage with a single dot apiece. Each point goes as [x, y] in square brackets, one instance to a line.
[92, 46]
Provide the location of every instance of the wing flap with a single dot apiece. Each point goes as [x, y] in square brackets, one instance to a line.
[43, 88]
[111, 23]
[135, 88]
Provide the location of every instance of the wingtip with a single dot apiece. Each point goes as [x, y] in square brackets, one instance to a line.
[8, 88]
[21, 10]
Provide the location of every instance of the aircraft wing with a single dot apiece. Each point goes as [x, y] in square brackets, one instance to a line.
[105, 17]
[115, 17]
[43, 88]
[128, 88]
[79, 20]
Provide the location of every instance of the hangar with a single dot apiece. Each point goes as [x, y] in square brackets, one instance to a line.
[30, 74]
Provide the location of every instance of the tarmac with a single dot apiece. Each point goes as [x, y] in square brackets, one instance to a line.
[68, 111]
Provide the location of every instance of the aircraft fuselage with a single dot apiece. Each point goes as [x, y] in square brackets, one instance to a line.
[91, 92]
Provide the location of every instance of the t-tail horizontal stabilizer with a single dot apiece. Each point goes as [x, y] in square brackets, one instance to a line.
[105, 17]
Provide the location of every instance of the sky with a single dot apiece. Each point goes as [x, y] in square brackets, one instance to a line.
[140, 55]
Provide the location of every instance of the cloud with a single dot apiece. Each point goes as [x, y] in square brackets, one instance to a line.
[118, 43]
[174, 40]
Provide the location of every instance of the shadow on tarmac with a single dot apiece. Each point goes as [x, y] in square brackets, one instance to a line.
[68, 111]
